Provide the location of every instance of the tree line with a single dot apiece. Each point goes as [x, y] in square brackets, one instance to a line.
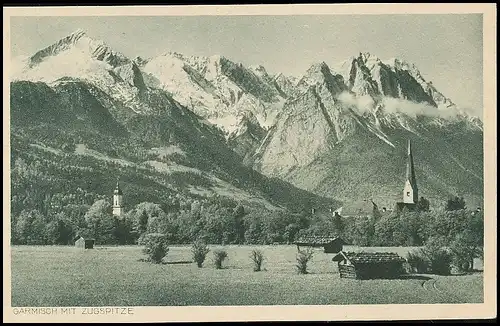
[224, 221]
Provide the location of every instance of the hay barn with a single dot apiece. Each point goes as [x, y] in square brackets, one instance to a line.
[369, 265]
[84, 243]
[80, 243]
[331, 245]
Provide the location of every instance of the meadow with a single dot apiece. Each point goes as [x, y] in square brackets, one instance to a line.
[116, 276]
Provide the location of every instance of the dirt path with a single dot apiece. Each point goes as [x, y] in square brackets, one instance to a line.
[445, 295]
[430, 285]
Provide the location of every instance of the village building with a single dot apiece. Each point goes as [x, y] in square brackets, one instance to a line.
[358, 208]
[118, 202]
[83, 243]
[331, 245]
[369, 265]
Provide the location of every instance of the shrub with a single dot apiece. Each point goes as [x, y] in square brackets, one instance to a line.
[219, 257]
[464, 249]
[417, 261]
[303, 258]
[258, 258]
[200, 251]
[440, 262]
[438, 257]
[155, 246]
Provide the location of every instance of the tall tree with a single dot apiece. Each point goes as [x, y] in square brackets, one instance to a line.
[423, 205]
[99, 219]
[30, 228]
[454, 204]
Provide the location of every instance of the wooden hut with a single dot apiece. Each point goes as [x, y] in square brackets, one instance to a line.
[89, 243]
[369, 265]
[80, 243]
[84, 243]
[331, 245]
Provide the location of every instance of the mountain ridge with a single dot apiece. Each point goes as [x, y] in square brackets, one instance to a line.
[278, 125]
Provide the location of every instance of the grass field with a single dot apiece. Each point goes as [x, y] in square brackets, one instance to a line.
[115, 276]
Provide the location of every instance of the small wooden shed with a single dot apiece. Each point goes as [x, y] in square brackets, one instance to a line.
[80, 243]
[331, 245]
[84, 243]
[369, 265]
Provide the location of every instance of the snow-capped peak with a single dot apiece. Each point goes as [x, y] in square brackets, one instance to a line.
[97, 49]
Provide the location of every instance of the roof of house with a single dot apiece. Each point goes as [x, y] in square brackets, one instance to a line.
[362, 207]
[316, 240]
[369, 257]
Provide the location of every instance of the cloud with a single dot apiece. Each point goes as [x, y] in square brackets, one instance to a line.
[363, 103]
[396, 105]
[366, 103]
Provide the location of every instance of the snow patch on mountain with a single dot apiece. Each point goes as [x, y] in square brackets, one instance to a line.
[79, 57]
[228, 123]
[215, 88]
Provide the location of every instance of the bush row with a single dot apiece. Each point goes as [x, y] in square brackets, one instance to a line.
[434, 257]
[156, 249]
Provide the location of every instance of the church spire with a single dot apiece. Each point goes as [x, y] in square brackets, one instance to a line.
[118, 191]
[117, 201]
[410, 170]
[410, 190]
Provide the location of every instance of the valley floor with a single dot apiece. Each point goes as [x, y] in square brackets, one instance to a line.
[115, 276]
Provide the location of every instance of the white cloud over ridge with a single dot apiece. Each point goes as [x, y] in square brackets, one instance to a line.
[391, 105]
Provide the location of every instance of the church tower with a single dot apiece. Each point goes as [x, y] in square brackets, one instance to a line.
[410, 191]
[117, 201]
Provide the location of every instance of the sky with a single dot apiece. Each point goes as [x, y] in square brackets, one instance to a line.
[447, 48]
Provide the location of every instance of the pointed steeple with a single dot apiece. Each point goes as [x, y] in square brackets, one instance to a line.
[117, 201]
[118, 191]
[410, 190]
[410, 170]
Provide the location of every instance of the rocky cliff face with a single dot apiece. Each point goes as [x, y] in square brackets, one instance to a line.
[343, 134]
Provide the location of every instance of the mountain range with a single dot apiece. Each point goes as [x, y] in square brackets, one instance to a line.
[337, 133]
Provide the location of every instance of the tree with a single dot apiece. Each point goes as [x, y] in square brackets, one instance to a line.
[303, 257]
[239, 213]
[99, 221]
[121, 231]
[363, 231]
[253, 232]
[141, 222]
[146, 217]
[464, 249]
[155, 246]
[290, 233]
[219, 256]
[338, 224]
[200, 251]
[454, 204]
[384, 230]
[257, 258]
[59, 231]
[438, 257]
[423, 205]
[30, 227]
[468, 243]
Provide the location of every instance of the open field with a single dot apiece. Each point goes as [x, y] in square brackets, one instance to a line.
[115, 276]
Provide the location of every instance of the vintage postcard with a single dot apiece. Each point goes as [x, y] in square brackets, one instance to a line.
[249, 163]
